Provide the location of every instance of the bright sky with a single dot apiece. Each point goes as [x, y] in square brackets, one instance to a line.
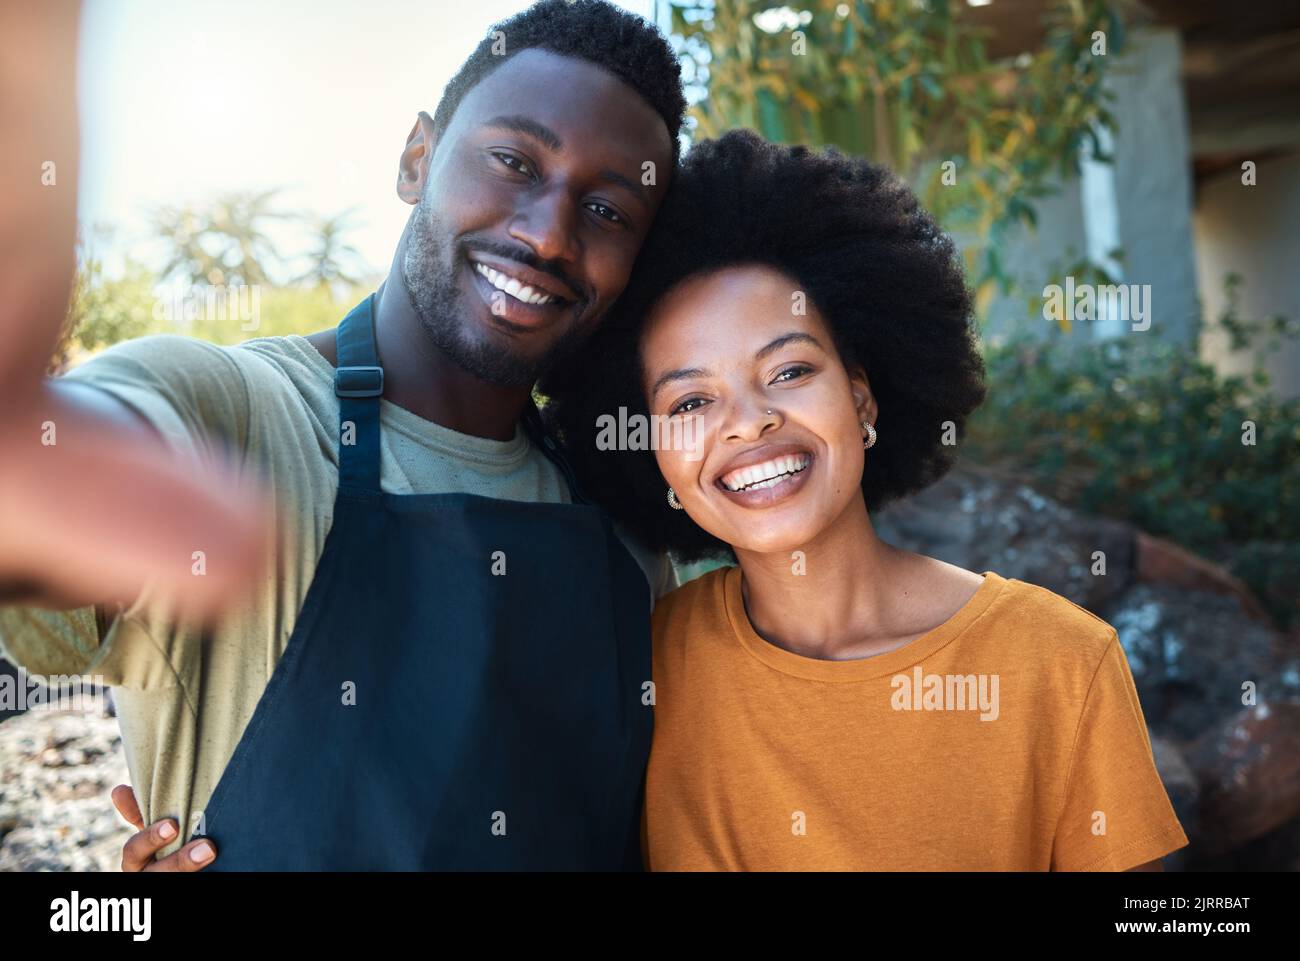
[184, 99]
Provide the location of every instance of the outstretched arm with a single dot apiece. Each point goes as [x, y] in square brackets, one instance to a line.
[93, 505]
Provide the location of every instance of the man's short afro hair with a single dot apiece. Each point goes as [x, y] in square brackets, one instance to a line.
[855, 240]
[616, 40]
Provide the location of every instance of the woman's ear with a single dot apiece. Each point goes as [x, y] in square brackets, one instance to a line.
[863, 399]
[413, 168]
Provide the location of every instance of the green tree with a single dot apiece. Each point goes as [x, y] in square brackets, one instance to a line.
[332, 260]
[282, 311]
[104, 309]
[183, 229]
[225, 243]
[912, 85]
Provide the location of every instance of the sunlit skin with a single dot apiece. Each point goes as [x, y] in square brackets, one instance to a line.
[728, 348]
[93, 505]
[520, 171]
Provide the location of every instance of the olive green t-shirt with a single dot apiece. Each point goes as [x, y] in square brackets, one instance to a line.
[184, 696]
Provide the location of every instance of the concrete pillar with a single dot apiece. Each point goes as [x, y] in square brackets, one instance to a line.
[1153, 181]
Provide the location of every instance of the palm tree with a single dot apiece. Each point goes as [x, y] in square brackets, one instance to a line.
[331, 259]
[183, 230]
[236, 220]
[225, 244]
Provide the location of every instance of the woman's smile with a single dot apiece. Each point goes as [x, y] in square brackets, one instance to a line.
[765, 476]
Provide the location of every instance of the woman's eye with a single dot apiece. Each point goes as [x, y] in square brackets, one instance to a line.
[797, 371]
[514, 163]
[685, 406]
[605, 211]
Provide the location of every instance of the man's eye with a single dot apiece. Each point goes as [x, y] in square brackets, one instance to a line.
[605, 211]
[797, 371]
[684, 407]
[514, 163]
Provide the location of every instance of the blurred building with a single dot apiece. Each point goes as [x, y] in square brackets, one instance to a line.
[1203, 88]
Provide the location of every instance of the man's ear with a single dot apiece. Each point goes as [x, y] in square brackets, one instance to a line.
[416, 156]
[863, 399]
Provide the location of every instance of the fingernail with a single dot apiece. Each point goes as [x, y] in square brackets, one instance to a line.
[202, 852]
[166, 831]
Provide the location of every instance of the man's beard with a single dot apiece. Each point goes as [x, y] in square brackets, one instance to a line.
[429, 271]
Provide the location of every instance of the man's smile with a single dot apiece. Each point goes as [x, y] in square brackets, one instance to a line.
[519, 298]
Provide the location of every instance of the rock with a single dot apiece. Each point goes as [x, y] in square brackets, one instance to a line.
[1248, 769]
[1177, 776]
[56, 769]
[1278, 850]
[1272, 568]
[1183, 789]
[1163, 562]
[983, 522]
[1191, 653]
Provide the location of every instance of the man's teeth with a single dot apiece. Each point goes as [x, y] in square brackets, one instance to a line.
[764, 475]
[513, 287]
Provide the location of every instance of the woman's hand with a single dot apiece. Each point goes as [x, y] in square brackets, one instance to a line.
[138, 853]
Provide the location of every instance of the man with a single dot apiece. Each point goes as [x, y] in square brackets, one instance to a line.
[441, 661]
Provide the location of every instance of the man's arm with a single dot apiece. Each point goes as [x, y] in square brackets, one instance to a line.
[38, 184]
[79, 408]
[92, 506]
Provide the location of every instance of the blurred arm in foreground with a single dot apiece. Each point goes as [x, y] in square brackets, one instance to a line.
[93, 504]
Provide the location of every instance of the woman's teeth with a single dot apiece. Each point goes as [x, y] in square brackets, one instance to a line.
[514, 288]
[764, 475]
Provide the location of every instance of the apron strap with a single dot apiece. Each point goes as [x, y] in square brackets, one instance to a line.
[358, 384]
[536, 431]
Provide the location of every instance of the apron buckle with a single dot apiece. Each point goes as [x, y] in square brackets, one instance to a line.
[359, 382]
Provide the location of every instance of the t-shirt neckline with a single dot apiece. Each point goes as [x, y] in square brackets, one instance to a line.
[811, 668]
[468, 446]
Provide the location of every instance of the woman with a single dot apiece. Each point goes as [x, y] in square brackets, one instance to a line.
[835, 702]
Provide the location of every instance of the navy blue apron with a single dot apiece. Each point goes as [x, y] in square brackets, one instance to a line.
[463, 689]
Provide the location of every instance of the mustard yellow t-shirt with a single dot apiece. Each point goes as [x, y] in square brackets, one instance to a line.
[1008, 738]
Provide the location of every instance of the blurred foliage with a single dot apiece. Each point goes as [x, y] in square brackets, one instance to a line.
[1261, 337]
[1272, 569]
[282, 311]
[1083, 272]
[133, 301]
[1145, 431]
[332, 258]
[102, 309]
[910, 84]
[222, 243]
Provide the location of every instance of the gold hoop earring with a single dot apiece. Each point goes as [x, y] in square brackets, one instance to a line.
[871, 435]
[673, 502]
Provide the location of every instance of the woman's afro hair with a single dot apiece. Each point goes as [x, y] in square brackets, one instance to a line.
[852, 237]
